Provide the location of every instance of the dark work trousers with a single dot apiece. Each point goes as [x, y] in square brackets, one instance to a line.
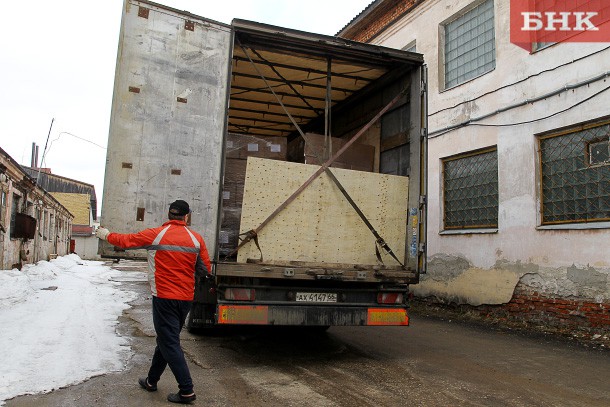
[168, 318]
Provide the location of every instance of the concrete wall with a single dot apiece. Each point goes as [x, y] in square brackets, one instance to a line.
[484, 267]
[86, 247]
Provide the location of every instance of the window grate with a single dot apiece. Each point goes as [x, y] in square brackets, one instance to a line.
[470, 48]
[575, 174]
[470, 187]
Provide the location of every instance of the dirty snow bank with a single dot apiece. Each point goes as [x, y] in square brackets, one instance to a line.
[58, 322]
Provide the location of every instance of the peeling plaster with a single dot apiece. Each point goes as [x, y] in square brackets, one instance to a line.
[571, 282]
[452, 279]
[587, 277]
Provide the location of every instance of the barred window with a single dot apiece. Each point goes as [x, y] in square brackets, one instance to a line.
[470, 190]
[575, 175]
[470, 48]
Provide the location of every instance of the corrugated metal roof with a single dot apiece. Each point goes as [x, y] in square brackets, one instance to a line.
[78, 204]
[361, 15]
[56, 183]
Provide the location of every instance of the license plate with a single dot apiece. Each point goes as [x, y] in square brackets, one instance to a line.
[316, 297]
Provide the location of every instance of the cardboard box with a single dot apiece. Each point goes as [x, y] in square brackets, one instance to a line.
[229, 229]
[312, 150]
[243, 146]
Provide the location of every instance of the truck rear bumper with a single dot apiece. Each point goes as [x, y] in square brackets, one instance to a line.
[238, 314]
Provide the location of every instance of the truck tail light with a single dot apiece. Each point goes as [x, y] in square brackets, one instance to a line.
[390, 298]
[240, 294]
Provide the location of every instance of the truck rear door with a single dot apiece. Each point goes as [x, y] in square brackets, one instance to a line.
[167, 122]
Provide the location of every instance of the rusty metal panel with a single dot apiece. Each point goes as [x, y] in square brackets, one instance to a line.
[140, 214]
[156, 133]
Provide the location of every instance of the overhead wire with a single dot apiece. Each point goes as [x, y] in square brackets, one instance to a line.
[472, 122]
[521, 81]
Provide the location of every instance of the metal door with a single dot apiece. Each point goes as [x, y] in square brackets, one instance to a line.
[168, 121]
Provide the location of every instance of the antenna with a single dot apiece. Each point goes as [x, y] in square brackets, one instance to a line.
[44, 152]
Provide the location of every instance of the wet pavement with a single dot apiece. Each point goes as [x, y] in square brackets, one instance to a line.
[434, 362]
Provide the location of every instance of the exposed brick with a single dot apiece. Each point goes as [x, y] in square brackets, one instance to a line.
[378, 19]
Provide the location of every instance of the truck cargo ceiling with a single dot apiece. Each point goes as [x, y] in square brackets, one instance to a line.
[270, 62]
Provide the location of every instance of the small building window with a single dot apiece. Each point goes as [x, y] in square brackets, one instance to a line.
[575, 175]
[15, 208]
[3, 208]
[470, 190]
[44, 225]
[599, 152]
[469, 48]
[410, 47]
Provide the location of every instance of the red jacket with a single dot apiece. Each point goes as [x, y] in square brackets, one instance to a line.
[174, 254]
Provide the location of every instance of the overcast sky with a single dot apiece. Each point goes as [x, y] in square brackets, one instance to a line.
[57, 61]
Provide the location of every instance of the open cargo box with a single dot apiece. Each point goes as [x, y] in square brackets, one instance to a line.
[333, 87]
[177, 73]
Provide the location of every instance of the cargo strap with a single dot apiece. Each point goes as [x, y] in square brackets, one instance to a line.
[248, 236]
[253, 234]
[379, 240]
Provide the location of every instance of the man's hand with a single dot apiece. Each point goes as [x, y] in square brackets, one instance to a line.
[102, 233]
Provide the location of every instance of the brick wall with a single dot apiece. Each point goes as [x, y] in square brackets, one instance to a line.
[378, 19]
[579, 318]
[578, 314]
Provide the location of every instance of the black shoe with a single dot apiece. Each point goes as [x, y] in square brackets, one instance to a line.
[179, 398]
[145, 385]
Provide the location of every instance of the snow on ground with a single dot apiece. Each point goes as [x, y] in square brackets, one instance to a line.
[57, 324]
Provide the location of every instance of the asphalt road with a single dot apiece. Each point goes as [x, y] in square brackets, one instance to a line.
[433, 362]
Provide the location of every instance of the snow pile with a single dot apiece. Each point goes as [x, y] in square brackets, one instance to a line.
[58, 322]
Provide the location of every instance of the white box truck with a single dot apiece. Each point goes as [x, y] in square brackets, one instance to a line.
[302, 156]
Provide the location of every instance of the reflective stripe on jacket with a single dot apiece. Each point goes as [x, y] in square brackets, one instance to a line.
[174, 254]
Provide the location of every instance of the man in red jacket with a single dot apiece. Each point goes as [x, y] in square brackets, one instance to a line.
[175, 254]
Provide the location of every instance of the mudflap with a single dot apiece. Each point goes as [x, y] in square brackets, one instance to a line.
[202, 316]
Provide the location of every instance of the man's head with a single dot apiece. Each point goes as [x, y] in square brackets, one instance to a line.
[178, 209]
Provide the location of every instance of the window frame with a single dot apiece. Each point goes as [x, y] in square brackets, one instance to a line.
[568, 224]
[16, 202]
[442, 45]
[475, 229]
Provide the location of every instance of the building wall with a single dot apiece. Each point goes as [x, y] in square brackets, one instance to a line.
[568, 262]
[53, 221]
[86, 247]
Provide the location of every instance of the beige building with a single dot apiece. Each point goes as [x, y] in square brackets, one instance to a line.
[84, 241]
[519, 161]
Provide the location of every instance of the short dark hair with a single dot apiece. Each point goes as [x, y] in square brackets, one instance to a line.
[171, 216]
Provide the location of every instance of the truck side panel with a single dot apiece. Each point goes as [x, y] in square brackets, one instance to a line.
[168, 120]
